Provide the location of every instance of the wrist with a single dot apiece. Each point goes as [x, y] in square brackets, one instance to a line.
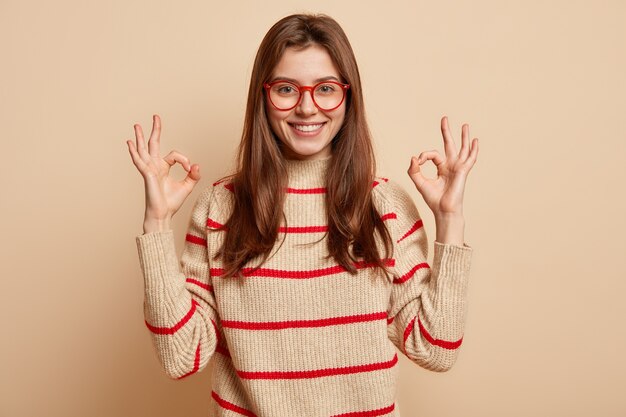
[456, 216]
[450, 229]
[156, 225]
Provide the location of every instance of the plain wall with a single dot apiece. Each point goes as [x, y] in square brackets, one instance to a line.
[541, 84]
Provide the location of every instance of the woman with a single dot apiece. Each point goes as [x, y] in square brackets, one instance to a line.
[303, 272]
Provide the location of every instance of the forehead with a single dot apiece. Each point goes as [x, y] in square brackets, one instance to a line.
[305, 65]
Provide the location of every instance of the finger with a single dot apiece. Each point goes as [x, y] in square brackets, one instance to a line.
[473, 155]
[155, 136]
[193, 176]
[431, 155]
[141, 143]
[415, 173]
[137, 161]
[175, 156]
[448, 141]
[464, 142]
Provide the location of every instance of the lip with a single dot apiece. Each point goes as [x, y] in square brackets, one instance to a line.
[306, 123]
[300, 133]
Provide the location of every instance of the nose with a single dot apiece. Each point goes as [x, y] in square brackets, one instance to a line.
[306, 106]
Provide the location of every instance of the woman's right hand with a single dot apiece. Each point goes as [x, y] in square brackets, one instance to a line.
[164, 195]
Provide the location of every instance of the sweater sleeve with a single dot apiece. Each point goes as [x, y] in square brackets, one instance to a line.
[427, 306]
[179, 305]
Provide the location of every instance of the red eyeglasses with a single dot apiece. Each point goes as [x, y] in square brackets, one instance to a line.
[285, 95]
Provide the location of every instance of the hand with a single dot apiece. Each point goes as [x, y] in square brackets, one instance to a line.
[164, 195]
[444, 194]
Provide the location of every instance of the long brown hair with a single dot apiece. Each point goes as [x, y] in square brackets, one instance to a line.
[261, 175]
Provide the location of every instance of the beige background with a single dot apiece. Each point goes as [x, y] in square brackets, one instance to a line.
[541, 84]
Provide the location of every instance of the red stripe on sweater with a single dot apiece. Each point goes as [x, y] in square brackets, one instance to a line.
[331, 321]
[411, 273]
[292, 229]
[196, 364]
[320, 190]
[219, 182]
[388, 216]
[376, 182]
[313, 273]
[181, 323]
[195, 239]
[407, 333]
[200, 284]
[318, 372]
[230, 406]
[369, 413]
[438, 342]
[302, 229]
[214, 225]
[418, 224]
[288, 190]
[283, 229]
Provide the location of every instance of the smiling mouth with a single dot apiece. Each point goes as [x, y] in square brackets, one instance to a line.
[307, 127]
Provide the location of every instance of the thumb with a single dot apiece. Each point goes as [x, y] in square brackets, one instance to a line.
[414, 172]
[193, 176]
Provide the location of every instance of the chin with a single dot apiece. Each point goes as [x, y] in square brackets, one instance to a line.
[306, 152]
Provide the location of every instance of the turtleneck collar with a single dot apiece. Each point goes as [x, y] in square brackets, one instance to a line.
[307, 173]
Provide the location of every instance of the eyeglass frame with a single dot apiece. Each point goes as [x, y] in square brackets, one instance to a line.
[310, 89]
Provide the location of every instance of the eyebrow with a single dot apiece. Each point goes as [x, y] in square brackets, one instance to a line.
[319, 80]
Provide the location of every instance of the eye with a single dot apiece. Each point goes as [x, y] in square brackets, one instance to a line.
[285, 89]
[326, 88]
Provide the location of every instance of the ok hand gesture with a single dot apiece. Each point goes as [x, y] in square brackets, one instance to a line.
[164, 195]
[444, 194]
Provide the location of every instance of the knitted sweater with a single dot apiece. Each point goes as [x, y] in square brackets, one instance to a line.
[300, 336]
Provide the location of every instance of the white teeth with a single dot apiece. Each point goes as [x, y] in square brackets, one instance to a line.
[307, 128]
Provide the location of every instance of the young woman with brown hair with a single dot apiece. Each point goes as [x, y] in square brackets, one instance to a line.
[303, 271]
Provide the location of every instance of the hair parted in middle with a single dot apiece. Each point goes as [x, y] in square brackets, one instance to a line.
[261, 176]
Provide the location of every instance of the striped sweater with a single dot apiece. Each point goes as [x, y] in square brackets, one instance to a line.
[300, 336]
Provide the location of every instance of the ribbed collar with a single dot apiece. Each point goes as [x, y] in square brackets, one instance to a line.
[307, 173]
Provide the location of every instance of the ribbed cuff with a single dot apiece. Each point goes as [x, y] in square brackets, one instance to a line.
[451, 267]
[158, 258]
[452, 259]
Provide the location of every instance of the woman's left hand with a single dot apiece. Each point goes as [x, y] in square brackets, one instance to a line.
[444, 194]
